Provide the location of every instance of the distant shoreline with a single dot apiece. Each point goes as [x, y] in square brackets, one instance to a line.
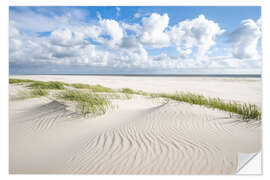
[155, 75]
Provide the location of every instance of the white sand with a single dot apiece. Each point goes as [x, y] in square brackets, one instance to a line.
[141, 137]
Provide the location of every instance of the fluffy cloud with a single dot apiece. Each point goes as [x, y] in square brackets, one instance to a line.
[108, 32]
[93, 32]
[111, 44]
[197, 33]
[39, 21]
[129, 42]
[15, 42]
[153, 30]
[259, 23]
[65, 37]
[245, 38]
[112, 29]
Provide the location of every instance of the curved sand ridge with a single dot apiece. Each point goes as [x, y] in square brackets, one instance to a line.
[140, 137]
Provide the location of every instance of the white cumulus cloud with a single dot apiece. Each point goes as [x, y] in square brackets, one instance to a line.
[245, 38]
[197, 33]
[65, 37]
[112, 28]
[154, 30]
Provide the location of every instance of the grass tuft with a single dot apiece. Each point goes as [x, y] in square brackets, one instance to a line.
[39, 92]
[121, 96]
[87, 102]
[94, 88]
[247, 111]
[128, 91]
[16, 81]
[32, 93]
[131, 91]
[127, 96]
[47, 85]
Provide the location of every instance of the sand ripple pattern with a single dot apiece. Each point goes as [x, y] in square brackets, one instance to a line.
[46, 116]
[172, 138]
[169, 139]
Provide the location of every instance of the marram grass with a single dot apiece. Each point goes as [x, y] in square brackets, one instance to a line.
[247, 111]
[94, 88]
[16, 81]
[32, 93]
[87, 102]
[122, 96]
[128, 91]
[131, 91]
[47, 85]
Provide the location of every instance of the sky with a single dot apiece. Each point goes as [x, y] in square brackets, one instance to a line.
[135, 40]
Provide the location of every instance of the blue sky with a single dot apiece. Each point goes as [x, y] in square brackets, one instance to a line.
[79, 40]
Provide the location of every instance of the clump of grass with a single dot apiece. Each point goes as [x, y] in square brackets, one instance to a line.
[142, 93]
[131, 91]
[128, 96]
[99, 88]
[81, 86]
[128, 91]
[47, 85]
[117, 96]
[94, 88]
[39, 92]
[87, 102]
[247, 111]
[16, 81]
[32, 93]
[111, 95]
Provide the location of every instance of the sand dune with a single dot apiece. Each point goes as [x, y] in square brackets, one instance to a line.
[142, 136]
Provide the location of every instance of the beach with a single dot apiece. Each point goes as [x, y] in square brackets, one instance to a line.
[141, 136]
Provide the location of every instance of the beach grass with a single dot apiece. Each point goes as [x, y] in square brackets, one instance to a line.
[122, 96]
[47, 85]
[32, 93]
[131, 91]
[128, 96]
[87, 102]
[16, 81]
[128, 91]
[247, 111]
[94, 88]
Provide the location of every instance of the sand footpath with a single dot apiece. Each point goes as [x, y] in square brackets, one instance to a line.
[141, 136]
